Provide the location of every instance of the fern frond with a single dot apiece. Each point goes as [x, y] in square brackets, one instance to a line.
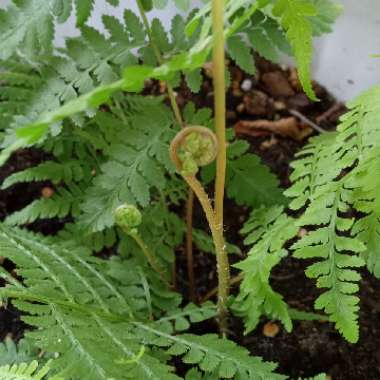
[10, 353]
[267, 37]
[336, 269]
[220, 357]
[69, 294]
[328, 12]
[83, 10]
[63, 203]
[294, 15]
[137, 164]
[28, 25]
[241, 53]
[367, 229]
[248, 181]
[332, 190]
[96, 242]
[268, 231]
[251, 183]
[55, 172]
[26, 371]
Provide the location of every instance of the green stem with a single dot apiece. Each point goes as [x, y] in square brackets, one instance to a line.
[189, 244]
[219, 68]
[148, 255]
[160, 60]
[181, 122]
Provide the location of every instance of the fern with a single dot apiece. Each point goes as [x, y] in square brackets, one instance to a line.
[241, 54]
[63, 203]
[28, 24]
[10, 353]
[68, 294]
[294, 16]
[26, 371]
[335, 271]
[133, 169]
[267, 37]
[268, 231]
[329, 195]
[248, 181]
[199, 28]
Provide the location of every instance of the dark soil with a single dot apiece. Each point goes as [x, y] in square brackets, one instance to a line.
[312, 347]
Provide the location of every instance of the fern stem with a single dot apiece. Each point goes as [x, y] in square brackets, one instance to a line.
[160, 59]
[189, 244]
[148, 255]
[219, 67]
[219, 243]
[233, 281]
[190, 197]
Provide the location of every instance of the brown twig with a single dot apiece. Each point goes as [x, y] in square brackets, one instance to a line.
[307, 121]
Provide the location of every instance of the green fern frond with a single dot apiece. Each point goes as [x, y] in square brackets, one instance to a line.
[294, 15]
[309, 170]
[328, 12]
[69, 294]
[248, 181]
[26, 371]
[63, 203]
[268, 231]
[241, 53]
[220, 357]
[367, 201]
[267, 37]
[96, 242]
[10, 353]
[329, 191]
[251, 183]
[136, 165]
[55, 172]
[336, 269]
[28, 25]
[83, 10]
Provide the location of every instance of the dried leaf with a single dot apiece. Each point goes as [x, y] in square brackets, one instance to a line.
[286, 127]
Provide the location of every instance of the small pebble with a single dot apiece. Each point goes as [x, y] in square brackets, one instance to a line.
[270, 329]
[47, 192]
[246, 85]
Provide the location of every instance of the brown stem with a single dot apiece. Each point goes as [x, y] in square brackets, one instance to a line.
[189, 244]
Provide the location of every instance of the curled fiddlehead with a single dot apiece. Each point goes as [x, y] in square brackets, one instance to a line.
[193, 147]
[128, 218]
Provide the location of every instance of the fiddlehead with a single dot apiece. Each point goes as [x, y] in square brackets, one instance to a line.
[128, 218]
[193, 147]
